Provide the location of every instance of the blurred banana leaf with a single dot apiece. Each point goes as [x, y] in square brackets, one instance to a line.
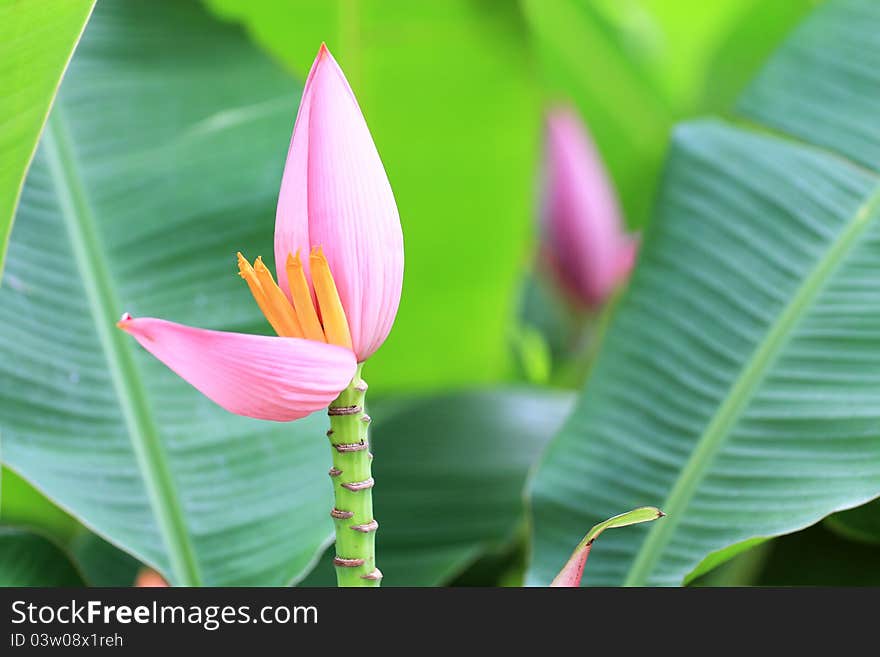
[162, 156]
[448, 91]
[449, 476]
[817, 557]
[737, 388]
[101, 563]
[634, 67]
[741, 569]
[860, 524]
[98, 563]
[36, 42]
[543, 311]
[29, 559]
[22, 505]
[743, 50]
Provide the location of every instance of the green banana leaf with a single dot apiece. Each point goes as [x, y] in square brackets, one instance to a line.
[23, 506]
[817, 557]
[36, 42]
[29, 559]
[860, 524]
[449, 476]
[102, 563]
[737, 388]
[448, 91]
[162, 156]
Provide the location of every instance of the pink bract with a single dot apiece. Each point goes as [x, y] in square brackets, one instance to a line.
[335, 194]
[268, 378]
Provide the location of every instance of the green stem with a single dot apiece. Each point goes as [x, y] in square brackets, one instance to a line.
[353, 487]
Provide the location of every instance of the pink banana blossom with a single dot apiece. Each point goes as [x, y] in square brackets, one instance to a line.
[339, 265]
[582, 232]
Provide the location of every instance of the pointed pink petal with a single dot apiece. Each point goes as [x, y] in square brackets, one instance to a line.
[264, 377]
[573, 570]
[581, 217]
[335, 195]
[292, 213]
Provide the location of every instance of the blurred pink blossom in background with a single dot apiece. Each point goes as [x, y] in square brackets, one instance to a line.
[583, 238]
